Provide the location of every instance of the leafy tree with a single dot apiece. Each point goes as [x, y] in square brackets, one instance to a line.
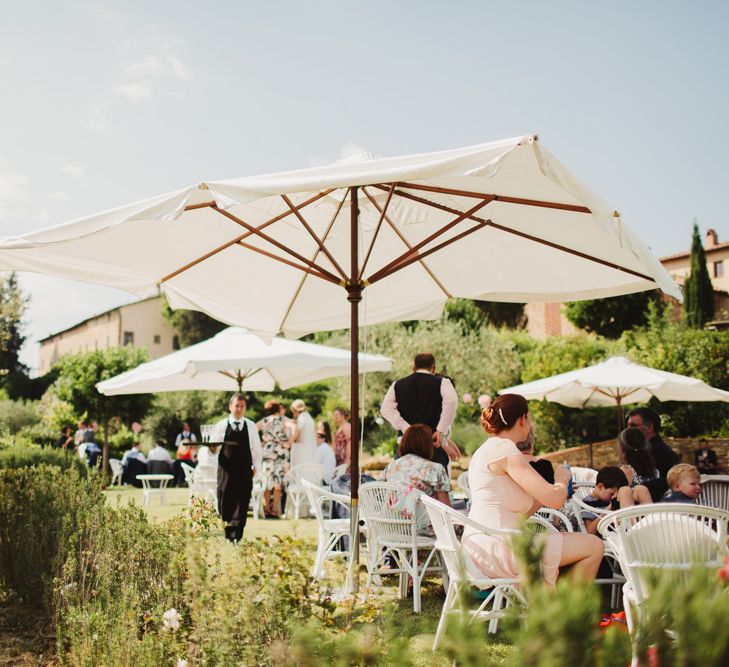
[698, 292]
[610, 317]
[78, 375]
[13, 304]
[192, 326]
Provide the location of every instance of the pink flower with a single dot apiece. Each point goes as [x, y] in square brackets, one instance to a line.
[467, 398]
[724, 572]
[484, 400]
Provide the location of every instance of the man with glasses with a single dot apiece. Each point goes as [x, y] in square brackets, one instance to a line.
[649, 421]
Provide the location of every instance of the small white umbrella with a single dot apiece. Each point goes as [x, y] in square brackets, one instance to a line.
[236, 358]
[616, 381]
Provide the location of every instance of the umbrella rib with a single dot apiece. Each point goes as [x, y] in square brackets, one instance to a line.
[383, 215]
[324, 276]
[501, 198]
[228, 244]
[420, 256]
[524, 235]
[319, 242]
[402, 237]
[303, 278]
[381, 273]
[277, 244]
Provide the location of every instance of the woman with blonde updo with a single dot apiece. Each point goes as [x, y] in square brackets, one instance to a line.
[505, 489]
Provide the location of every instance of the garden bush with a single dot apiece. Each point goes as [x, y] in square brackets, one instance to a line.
[40, 509]
[16, 415]
[19, 453]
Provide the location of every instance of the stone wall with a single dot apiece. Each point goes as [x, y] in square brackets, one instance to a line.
[605, 453]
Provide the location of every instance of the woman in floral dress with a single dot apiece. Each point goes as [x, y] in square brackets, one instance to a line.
[275, 445]
[414, 472]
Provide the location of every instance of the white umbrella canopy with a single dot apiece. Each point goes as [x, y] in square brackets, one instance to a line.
[236, 359]
[297, 251]
[616, 381]
[503, 221]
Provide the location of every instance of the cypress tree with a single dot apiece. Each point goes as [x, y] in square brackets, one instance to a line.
[698, 293]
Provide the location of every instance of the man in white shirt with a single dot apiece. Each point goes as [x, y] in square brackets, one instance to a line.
[325, 456]
[186, 434]
[423, 398]
[159, 459]
[133, 463]
[236, 465]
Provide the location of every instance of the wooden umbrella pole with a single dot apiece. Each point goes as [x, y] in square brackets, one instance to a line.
[354, 296]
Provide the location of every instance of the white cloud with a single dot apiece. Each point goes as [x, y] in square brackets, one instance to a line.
[74, 170]
[350, 149]
[158, 66]
[139, 90]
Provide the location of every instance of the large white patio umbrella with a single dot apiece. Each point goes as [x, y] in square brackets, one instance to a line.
[616, 382]
[503, 221]
[235, 358]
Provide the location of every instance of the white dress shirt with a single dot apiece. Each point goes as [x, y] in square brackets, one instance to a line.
[327, 460]
[158, 453]
[447, 413]
[133, 453]
[189, 435]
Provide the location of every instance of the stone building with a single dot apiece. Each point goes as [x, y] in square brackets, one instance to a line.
[140, 324]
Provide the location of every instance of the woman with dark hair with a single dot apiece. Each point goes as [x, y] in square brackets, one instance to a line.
[342, 436]
[639, 465]
[505, 489]
[414, 471]
[275, 444]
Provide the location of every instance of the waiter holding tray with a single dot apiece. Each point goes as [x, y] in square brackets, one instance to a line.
[236, 464]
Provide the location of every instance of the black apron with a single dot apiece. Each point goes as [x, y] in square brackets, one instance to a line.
[235, 475]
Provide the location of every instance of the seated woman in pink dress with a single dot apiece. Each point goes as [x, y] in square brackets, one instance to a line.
[505, 489]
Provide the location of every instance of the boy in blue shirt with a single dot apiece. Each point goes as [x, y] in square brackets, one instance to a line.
[684, 484]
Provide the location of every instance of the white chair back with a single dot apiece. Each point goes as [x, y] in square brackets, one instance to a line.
[377, 501]
[665, 536]
[318, 496]
[189, 473]
[462, 483]
[582, 476]
[715, 491]
[311, 472]
[116, 471]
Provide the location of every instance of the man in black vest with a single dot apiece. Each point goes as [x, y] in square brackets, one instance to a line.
[423, 398]
[236, 464]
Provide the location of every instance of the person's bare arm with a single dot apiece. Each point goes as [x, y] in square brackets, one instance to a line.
[443, 497]
[551, 495]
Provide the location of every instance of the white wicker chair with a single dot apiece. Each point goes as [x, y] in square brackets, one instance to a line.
[715, 491]
[463, 573]
[257, 498]
[296, 491]
[666, 536]
[558, 520]
[189, 480]
[462, 484]
[583, 476]
[203, 482]
[389, 531]
[116, 471]
[330, 530]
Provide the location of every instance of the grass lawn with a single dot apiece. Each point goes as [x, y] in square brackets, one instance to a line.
[420, 628]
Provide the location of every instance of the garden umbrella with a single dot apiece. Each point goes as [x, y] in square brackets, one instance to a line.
[296, 252]
[235, 358]
[616, 381]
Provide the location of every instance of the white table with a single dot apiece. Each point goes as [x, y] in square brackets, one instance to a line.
[148, 491]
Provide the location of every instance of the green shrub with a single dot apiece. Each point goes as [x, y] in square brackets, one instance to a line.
[40, 509]
[24, 454]
[16, 415]
[121, 576]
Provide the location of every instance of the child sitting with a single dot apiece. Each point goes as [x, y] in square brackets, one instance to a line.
[684, 484]
[612, 490]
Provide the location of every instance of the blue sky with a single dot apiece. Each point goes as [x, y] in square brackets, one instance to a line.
[105, 103]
